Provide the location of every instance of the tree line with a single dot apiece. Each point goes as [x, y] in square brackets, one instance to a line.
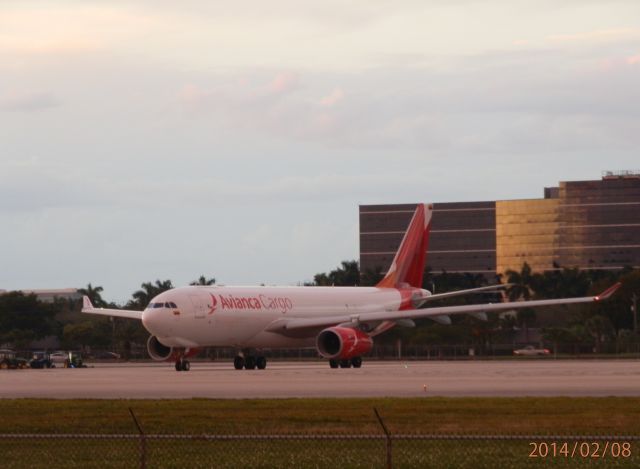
[24, 319]
[599, 326]
[567, 328]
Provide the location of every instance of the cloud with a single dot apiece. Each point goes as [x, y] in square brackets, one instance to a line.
[27, 101]
[258, 237]
[633, 60]
[597, 35]
[284, 82]
[247, 92]
[476, 103]
[333, 98]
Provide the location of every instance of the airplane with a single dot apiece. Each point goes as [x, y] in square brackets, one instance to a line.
[339, 322]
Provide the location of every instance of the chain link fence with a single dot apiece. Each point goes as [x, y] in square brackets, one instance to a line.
[383, 450]
[316, 451]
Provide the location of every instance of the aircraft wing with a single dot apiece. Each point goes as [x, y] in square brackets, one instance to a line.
[87, 307]
[437, 313]
[439, 296]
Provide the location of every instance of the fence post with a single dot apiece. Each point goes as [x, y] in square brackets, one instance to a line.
[143, 441]
[388, 438]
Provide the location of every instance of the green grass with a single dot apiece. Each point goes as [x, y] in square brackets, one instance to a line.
[416, 415]
[429, 415]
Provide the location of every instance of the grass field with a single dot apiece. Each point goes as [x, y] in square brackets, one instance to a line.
[614, 415]
[485, 416]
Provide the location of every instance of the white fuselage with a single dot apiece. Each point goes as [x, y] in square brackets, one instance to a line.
[239, 316]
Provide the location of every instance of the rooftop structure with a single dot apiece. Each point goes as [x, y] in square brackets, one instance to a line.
[49, 295]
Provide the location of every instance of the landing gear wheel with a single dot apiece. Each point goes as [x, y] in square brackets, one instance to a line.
[261, 363]
[238, 362]
[186, 366]
[178, 365]
[333, 363]
[345, 363]
[356, 362]
[250, 363]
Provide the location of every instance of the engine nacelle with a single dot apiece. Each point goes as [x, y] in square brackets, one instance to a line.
[157, 350]
[343, 343]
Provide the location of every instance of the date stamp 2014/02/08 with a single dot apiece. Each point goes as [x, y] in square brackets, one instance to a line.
[581, 449]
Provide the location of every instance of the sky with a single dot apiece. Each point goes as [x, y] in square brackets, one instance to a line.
[151, 139]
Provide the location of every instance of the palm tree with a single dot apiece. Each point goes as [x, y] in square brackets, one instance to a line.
[371, 277]
[521, 288]
[94, 294]
[148, 291]
[599, 327]
[204, 281]
[556, 335]
[348, 274]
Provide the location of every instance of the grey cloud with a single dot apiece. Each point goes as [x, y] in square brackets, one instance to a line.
[27, 102]
[510, 102]
[32, 186]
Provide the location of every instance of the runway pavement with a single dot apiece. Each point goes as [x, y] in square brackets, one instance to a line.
[315, 379]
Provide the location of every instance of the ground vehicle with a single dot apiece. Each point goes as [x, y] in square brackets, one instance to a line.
[66, 359]
[41, 360]
[8, 360]
[531, 350]
[74, 360]
[58, 358]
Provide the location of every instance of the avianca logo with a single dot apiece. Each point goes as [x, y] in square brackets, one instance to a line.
[276, 303]
[214, 304]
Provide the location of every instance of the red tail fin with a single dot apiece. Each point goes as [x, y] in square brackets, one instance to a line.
[408, 265]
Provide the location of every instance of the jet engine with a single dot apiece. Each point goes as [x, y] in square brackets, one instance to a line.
[157, 350]
[343, 343]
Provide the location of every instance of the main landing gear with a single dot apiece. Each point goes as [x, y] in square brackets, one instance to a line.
[355, 362]
[250, 362]
[182, 365]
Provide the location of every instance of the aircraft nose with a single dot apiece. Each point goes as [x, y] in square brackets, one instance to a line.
[152, 321]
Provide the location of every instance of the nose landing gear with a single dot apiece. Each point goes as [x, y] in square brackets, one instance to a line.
[182, 365]
[238, 362]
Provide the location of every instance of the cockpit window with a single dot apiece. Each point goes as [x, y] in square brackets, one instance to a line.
[168, 304]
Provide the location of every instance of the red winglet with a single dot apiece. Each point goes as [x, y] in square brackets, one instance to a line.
[608, 292]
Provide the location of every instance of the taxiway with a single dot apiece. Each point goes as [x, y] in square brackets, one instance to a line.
[316, 379]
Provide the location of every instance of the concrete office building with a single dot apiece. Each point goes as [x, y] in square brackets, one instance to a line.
[585, 224]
